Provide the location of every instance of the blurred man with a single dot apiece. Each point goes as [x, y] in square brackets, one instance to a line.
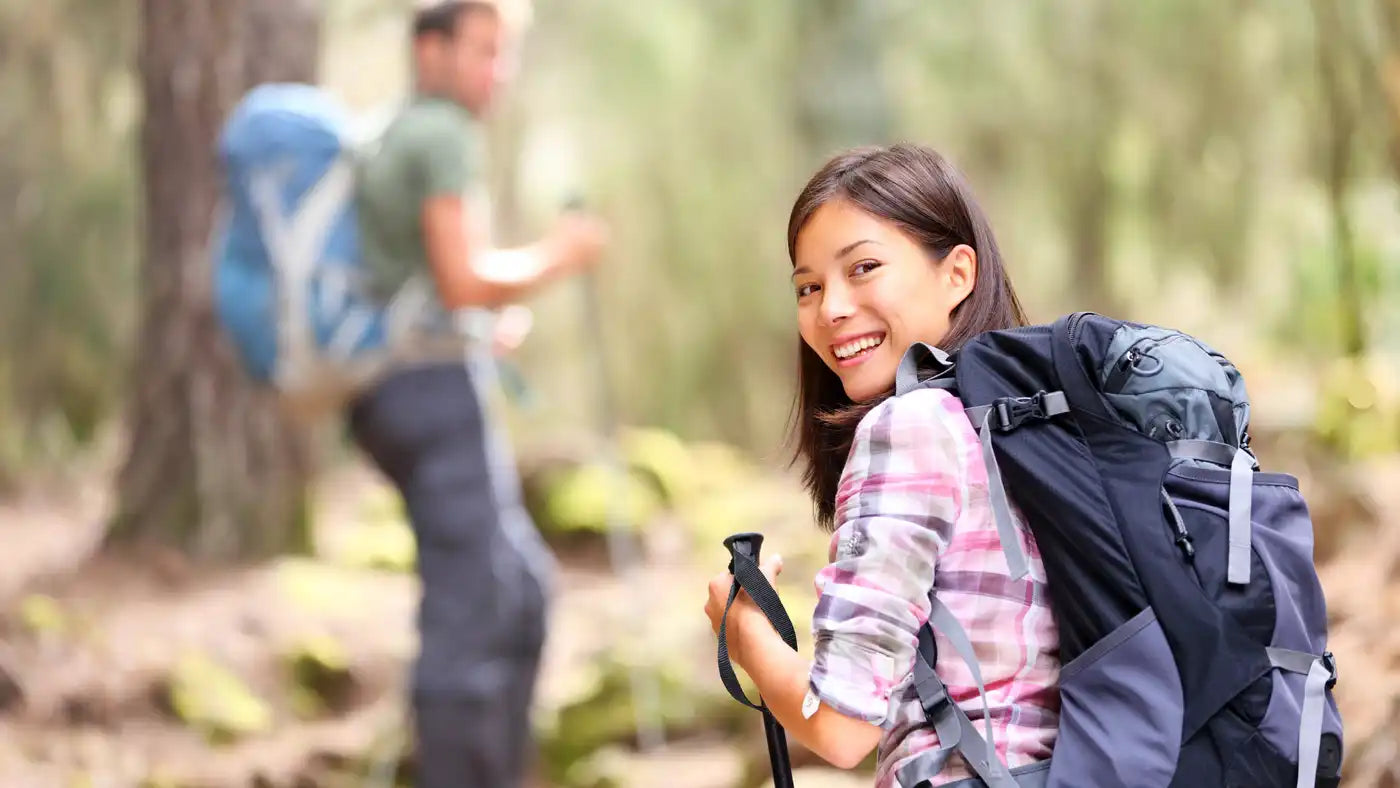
[483, 567]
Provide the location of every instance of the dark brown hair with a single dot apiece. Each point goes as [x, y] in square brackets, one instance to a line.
[444, 17]
[930, 201]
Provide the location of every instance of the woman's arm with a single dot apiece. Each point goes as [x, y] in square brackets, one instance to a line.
[900, 494]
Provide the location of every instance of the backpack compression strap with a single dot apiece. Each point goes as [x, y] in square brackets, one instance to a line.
[1242, 465]
[1321, 674]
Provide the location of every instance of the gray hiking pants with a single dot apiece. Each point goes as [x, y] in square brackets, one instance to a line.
[484, 570]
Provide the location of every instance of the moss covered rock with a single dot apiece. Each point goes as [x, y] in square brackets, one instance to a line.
[383, 546]
[213, 700]
[582, 499]
[318, 667]
[576, 739]
[661, 458]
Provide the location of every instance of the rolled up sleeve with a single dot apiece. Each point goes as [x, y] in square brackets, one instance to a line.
[900, 493]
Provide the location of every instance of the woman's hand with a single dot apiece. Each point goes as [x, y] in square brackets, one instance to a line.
[742, 611]
[782, 676]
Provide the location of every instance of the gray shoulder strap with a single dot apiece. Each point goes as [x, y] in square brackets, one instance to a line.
[955, 731]
[1016, 561]
[918, 357]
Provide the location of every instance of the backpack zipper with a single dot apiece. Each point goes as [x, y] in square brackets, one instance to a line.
[1123, 367]
[1073, 327]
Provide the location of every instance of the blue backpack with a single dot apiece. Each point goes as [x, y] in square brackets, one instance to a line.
[1193, 627]
[289, 280]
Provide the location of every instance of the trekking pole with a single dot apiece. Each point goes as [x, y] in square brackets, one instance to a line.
[743, 564]
[622, 549]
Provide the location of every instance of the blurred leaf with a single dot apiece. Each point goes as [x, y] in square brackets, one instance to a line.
[42, 615]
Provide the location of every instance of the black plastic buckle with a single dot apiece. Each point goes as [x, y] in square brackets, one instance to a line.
[1012, 412]
[1330, 662]
[933, 707]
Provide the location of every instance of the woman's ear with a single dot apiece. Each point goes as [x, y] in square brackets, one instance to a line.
[960, 272]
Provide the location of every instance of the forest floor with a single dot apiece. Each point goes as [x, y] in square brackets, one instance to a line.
[148, 671]
[94, 650]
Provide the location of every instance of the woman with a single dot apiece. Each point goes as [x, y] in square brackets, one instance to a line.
[889, 249]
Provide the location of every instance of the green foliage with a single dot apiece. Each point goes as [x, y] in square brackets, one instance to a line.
[67, 155]
[1359, 412]
[1177, 183]
[1314, 319]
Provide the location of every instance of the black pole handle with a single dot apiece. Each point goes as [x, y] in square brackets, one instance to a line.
[744, 551]
[748, 544]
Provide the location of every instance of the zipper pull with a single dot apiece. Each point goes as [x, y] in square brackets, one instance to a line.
[1188, 548]
[1183, 537]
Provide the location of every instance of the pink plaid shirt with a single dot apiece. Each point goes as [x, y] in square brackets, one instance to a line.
[914, 514]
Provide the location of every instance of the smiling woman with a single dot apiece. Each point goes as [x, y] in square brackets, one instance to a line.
[890, 245]
[890, 249]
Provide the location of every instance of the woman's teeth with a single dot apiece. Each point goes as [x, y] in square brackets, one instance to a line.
[852, 349]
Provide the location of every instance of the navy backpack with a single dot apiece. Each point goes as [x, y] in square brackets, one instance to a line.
[1193, 628]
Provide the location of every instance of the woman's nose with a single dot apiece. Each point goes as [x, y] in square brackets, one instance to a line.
[836, 305]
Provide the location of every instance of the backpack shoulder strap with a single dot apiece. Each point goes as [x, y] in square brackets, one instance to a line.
[919, 358]
[956, 733]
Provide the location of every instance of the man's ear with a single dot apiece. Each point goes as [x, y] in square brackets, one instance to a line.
[959, 270]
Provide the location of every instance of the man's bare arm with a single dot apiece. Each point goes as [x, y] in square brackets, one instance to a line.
[468, 274]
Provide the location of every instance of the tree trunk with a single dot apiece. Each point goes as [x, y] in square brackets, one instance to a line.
[1340, 144]
[214, 470]
[842, 101]
[1078, 156]
[1389, 76]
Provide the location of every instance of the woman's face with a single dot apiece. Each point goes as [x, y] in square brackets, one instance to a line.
[866, 292]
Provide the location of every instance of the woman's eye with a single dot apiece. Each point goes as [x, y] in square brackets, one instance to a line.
[864, 267]
[806, 290]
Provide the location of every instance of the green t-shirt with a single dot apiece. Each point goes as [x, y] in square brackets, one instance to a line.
[430, 149]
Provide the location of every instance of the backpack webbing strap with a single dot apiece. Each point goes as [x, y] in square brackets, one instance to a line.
[919, 356]
[1242, 465]
[750, 578]
[1321, 674]
[1016, 561]
[1008, 414]
[955, 730]
[1012, 412]
[293, 244]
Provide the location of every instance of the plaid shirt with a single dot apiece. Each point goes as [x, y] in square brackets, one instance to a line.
[914, 514]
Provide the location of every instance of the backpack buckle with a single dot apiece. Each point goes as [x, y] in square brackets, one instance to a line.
[1012, 412]
[1330, 662]
[933, 696]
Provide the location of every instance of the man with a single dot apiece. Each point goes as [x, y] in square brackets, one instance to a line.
[483, 566]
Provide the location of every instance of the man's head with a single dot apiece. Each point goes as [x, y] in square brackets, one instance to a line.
[461, 50]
